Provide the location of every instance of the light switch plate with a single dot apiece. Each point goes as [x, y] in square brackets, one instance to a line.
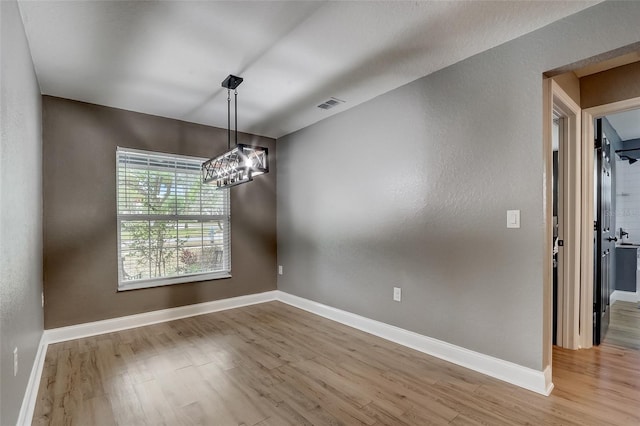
[513, 218]
[397, 294]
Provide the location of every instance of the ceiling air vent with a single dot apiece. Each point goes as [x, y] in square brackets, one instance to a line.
[330, 103]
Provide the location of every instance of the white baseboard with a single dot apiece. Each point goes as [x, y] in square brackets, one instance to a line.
[62, 334]
[534, 380]
[31, 393]
[548, 381]
[624, 296]
[131, 321]
[528, 378]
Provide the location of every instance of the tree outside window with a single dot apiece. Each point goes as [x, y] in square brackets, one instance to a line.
[170, 224]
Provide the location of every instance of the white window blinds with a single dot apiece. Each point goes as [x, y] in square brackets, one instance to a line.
[171, 227]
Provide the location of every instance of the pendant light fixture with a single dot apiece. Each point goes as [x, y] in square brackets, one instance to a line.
[241, 163]
[625, 155]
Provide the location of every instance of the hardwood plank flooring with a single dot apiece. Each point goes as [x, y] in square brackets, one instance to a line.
[624, 325]
[272, 364]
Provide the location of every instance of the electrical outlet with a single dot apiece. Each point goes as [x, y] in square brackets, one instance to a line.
[279, 269]
[15, 362]
[397, 294]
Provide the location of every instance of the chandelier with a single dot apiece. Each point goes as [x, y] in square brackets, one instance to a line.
[241, 163]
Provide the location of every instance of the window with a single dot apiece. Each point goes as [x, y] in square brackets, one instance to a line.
[171, 227]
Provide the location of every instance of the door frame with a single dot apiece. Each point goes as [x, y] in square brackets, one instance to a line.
[559, 102]
[587, 157]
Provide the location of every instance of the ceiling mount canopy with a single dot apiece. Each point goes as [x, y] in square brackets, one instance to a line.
[241, 163]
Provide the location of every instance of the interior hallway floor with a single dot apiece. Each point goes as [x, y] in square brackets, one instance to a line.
[624, 325]
[272, 364]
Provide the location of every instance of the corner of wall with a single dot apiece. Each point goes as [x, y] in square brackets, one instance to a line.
[21, 219]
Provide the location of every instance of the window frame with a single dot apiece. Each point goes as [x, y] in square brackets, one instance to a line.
[125, 285]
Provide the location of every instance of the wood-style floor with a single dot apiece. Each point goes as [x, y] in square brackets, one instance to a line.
[624, 325]
[272, 364]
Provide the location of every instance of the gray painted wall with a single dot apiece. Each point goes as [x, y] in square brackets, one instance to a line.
[410, 189]
[80, 226]
[21, 321]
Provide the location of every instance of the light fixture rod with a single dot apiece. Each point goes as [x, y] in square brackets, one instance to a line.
[229, 119]
[235, 104]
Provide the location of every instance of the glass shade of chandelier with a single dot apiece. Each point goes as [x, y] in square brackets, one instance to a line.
[241, 163]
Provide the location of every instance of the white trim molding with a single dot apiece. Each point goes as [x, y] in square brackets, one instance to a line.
[569, 220]
[71, 332]
[31, 393]
[625, 296]
[548, 381]
[528, 378]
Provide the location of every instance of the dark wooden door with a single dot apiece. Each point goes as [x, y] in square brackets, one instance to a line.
[604, 236]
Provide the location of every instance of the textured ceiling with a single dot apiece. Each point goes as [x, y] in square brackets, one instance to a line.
[627, 124]
[168, 58]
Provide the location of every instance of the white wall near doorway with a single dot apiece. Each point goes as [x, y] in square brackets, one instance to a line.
[628, 199]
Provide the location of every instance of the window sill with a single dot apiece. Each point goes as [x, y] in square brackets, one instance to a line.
[160, 282]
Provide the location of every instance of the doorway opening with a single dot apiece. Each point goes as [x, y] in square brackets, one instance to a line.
[617, 317]
[583, 239]
[563, 129]
[607, 234]
[592, 213]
